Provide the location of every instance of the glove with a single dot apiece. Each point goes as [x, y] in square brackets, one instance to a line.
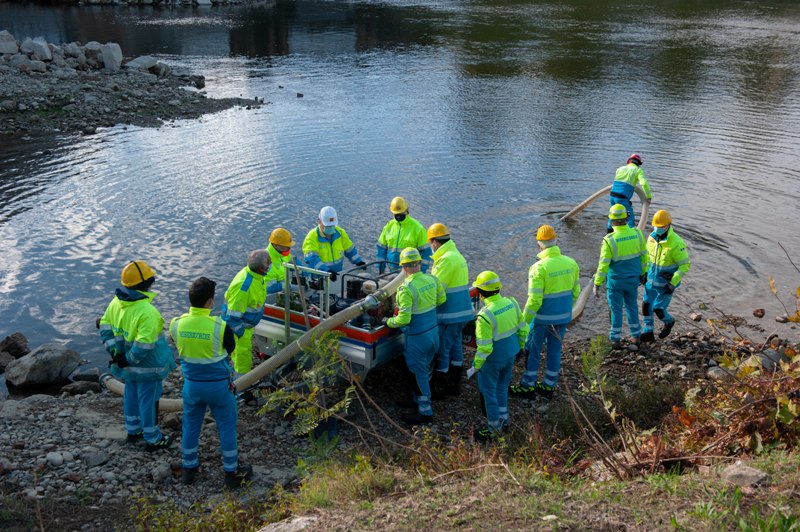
[334, 276]
[668, 288]
[596, 290]
[643, 279]
[667, 276]
[362, 264]
[382, 268]
[384, 321]
[118, 358]
[471, 371]
[396, 311]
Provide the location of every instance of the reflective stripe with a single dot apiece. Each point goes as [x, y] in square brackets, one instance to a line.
[566, 315]
[554, 295]
[144, 346]
[467, 314]
[189, 451]
[230, 454]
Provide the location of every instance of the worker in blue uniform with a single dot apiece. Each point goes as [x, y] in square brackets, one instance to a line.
[204, 343]
[625, 180]
[417, 299]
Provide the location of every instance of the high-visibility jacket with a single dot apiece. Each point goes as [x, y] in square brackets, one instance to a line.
[417, 299]
[133, 326]
[326, 253]
[276, 273]
[623, 258]
[626, 179]
[199, 339]
[450, 267]
[553, 287]
[500, 329]
[244, 301]
[669, 260]
[396, 236]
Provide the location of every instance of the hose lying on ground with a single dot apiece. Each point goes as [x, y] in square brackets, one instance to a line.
[583, 298]
[287, 353]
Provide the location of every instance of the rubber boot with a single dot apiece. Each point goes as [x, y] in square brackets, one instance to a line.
[415, 418]
[666, 330]
[454, 380]
[647, 337]
[439, 385]
[235, 480]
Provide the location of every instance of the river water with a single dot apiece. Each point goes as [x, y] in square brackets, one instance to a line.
[492, 117]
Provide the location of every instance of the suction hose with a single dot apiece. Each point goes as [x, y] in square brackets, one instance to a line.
[583, 298]
[287, 353]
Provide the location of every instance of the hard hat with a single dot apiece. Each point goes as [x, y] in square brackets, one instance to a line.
[617, 212]
[281, 237]
[545, 233]
[437, 230]
[488, 281]
[135, 272]
[661, 219]
[398, 205]
[328, 216]
[635, 158]
[409, 255]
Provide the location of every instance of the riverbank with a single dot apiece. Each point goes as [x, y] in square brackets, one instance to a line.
[62, 453]
[75, 89]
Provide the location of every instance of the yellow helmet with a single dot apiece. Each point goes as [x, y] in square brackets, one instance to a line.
[398, 205]
[662, 219]
[617, 212]
[437, 230]
[409, 256]
[545, 233]
[281, 237]
[135, 272]
[488, 281]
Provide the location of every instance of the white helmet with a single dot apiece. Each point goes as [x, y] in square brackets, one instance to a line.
[328, 217]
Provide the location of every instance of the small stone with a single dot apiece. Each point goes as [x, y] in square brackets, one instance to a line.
[55, 459]
[299, 94]
[696, 316]
[783, 318]
[759, 313]
[743, 475]
[716, 373]
[279, 431]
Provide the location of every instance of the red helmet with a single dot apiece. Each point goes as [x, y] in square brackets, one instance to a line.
[635, 158]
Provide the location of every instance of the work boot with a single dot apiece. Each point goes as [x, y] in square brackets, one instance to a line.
[405, 401]
[164, 443]
[616, 344]
[647, 337]
[242, 474]
[136, 437]
[454, 380]
[544, 391]
[415, 418]
[666, 330]
[484, 435]
[438, 385]
[189, 475]
[521, 390]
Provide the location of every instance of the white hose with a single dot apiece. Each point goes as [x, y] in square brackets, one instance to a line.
[287, 353]
[583, 298]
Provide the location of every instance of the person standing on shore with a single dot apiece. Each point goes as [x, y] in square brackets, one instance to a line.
[625, 180]
[553, 288]
[417, 299]
[204, 343]
[500, 333]
[622, 266]
[450, 267]
[400, 233]
[244, 307]
[132, 330]
[669, 262]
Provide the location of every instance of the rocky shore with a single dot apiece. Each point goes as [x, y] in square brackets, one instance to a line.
[76, 88]
[70, 451]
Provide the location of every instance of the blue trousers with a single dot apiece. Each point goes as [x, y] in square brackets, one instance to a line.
[551, 336]
[493, 381]
[420, 349]
[451, 350]
[627, 297]
[139, 407]
[628, 207]
[197, 396]
[658, 301]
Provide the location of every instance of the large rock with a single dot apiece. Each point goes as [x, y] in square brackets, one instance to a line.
[112, 56]
[742, 475]
[41, 49]
[15, 345]
[93, 50]
[72, 50]
[80, 388]
[143, 62]
[48, 363]
[5, 360]
[8, 44]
